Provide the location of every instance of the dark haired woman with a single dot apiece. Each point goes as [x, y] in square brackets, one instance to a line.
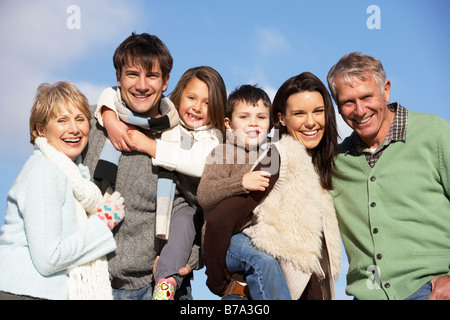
[294, 219]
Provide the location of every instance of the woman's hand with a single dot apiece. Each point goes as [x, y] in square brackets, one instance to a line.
[111, 209]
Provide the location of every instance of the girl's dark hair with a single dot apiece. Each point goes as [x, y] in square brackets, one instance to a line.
[217, 96]
[324, 154]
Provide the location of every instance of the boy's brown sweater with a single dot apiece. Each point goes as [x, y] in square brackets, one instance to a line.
[228, 206]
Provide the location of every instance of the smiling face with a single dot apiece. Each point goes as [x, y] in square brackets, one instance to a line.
[250, 123]
[193, 108]
[142, 89]
[304, 118]
[363, 106]
[67, 131]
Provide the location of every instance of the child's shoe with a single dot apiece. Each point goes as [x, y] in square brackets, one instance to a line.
[164, 290]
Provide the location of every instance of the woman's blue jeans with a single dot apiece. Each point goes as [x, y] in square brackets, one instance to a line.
[263, 272]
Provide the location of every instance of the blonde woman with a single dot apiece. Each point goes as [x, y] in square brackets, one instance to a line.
[57, 226]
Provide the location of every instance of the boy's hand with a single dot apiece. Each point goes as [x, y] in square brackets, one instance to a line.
[256, 180]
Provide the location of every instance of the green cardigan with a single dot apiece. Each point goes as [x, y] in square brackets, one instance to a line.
[395, 218]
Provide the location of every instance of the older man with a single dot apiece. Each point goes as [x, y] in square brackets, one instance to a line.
[392, 189]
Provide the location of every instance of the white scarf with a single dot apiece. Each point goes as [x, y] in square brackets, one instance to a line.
[89, 281]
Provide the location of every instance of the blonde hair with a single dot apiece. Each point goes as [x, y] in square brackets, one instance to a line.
[52, 99]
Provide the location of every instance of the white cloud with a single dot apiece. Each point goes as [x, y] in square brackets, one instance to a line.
[271, 91]
[91, 91]
[343, 128]
[271, 41]
[40, 31]
[37, 44]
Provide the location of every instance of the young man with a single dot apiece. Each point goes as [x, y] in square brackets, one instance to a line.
[392, 189]
[143, 64]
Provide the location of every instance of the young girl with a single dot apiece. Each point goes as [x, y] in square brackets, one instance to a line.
[200, 98]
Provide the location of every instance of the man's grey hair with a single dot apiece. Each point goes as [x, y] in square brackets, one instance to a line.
[359, 66]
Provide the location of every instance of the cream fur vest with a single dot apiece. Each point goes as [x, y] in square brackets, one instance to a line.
[293, 221]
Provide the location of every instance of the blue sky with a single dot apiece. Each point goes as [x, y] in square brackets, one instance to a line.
[247, 41]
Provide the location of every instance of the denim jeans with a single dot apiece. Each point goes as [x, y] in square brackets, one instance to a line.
[146, 292]
[423, 293]
[263, 272]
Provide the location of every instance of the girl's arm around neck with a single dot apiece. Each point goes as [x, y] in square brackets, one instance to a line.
[191, 161]
[117, 130]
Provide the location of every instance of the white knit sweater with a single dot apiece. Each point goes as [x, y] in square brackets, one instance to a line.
[42, 242]
[297, 221]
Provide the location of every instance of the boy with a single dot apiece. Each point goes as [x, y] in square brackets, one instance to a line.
[228, 172]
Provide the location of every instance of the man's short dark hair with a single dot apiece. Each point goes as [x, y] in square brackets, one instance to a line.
[143, 50]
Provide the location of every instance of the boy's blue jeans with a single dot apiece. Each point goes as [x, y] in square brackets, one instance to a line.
[263, 272]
